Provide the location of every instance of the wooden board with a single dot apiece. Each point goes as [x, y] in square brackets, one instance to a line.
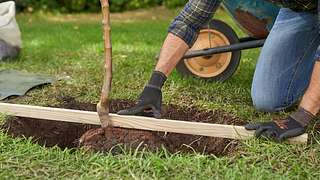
[134, 122]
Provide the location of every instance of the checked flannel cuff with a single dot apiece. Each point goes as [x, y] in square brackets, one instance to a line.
[194, 15]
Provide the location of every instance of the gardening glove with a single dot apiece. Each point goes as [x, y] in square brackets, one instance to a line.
[294, 125]
[149, 104]
[150, 100]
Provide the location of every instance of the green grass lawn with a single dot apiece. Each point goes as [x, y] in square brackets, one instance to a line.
[71, 46]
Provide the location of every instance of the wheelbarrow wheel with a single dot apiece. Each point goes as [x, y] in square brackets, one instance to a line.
[217, 67]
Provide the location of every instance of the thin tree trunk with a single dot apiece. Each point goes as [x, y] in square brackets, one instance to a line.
[103, 105]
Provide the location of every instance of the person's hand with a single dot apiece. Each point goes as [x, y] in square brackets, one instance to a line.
[149, 104]
[294, 125]
[277, 130]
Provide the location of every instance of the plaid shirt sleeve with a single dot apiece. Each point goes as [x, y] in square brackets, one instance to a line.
[194, 15]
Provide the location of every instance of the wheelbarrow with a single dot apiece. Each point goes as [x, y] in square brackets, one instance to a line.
[216, 54]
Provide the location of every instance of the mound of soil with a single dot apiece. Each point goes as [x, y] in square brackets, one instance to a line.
[71, 135]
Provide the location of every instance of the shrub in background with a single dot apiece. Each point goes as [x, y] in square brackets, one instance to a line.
[31, 5]
[92, 5]
[174, 3]
[136, 4]
[75, 5]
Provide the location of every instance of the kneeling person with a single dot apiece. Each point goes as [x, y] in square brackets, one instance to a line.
[287, 68]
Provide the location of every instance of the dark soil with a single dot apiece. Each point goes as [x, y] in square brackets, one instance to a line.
[71, 135]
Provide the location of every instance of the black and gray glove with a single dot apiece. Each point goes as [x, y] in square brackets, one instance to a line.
[294, 125]
[149, 104]
[150, 100]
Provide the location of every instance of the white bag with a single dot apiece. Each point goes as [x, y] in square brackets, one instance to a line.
[10, 35]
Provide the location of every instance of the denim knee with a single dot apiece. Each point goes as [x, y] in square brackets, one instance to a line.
[264, 103]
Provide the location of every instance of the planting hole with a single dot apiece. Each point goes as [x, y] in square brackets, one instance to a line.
[69, 135]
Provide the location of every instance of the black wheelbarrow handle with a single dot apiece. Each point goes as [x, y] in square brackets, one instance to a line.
[222, 49]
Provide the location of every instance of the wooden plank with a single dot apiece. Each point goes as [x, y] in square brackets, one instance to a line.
[134, 122]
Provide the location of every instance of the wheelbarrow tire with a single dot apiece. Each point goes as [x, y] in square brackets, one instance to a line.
[231, 59]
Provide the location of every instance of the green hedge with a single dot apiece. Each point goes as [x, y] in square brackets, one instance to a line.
[174, 3]
[92, 5]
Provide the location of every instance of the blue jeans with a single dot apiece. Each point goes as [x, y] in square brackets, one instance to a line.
[286, 61]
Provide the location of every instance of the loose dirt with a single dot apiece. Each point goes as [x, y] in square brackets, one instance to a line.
[73, 135]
